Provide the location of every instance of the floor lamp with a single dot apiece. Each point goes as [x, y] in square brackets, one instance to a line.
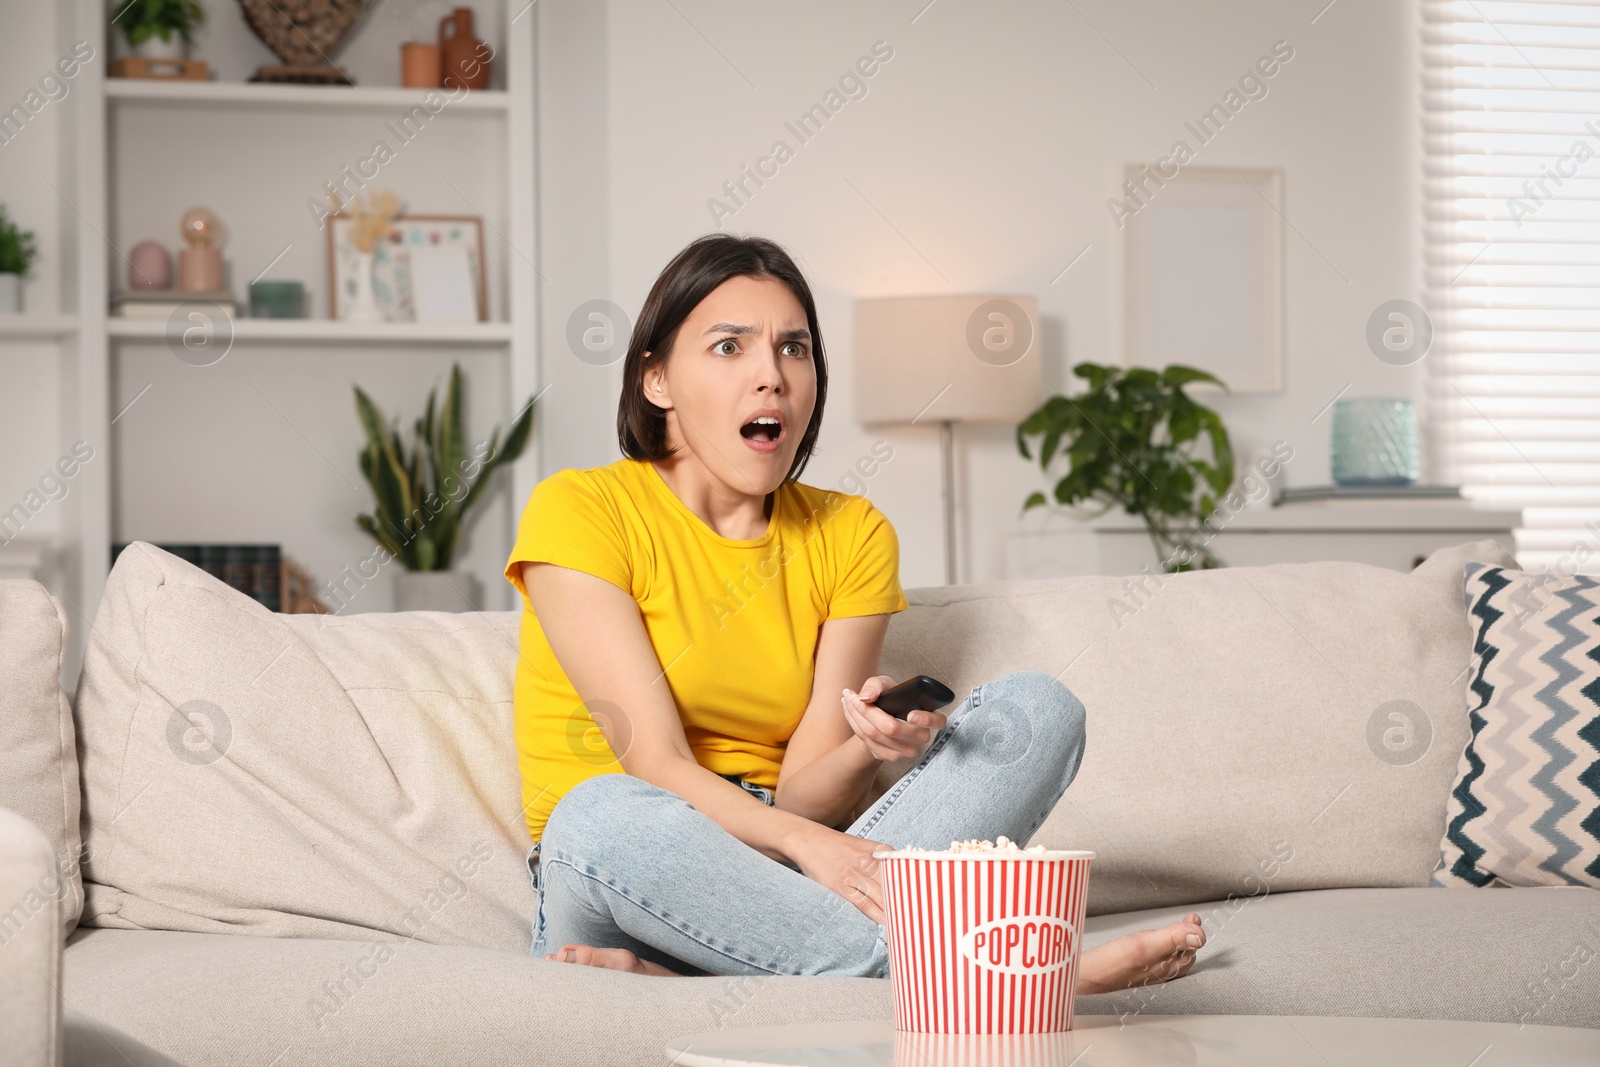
[947, 359]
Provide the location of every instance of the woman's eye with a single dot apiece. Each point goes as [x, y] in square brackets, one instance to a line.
[728, 341]
[799, 349]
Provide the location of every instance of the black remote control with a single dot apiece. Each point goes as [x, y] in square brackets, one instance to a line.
[921, 692]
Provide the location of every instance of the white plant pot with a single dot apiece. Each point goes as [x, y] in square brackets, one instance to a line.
[437, 591]
[10, 294]
[156, 48]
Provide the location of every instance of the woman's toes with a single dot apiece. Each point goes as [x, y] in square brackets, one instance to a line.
[611, 959]
[1142, 958]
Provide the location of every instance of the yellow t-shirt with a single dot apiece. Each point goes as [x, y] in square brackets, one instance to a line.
[734, 623]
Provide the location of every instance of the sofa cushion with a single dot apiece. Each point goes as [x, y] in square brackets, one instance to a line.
[1233, 715]
[213, 999]
[1500, 955]
[208, 999]
[1525, 809]
[90, 1042]
[298, 775]
[38, 755]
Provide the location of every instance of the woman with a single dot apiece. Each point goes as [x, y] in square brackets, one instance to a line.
[692, 775]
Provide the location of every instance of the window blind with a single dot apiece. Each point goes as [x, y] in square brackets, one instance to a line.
[1511, 113]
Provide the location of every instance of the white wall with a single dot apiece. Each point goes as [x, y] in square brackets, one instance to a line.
[981, 159]
[983, 153]
[29, 163]
[577, 427]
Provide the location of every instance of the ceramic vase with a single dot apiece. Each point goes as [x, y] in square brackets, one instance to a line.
[419, 65]
[360, 303]
[464, 58]
[1375, 442]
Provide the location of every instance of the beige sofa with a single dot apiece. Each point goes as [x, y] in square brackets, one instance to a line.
[302, 843]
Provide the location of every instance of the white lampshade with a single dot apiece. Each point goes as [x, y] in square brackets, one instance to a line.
[947, 359]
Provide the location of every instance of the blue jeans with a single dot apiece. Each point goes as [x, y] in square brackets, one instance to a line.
[625, 864]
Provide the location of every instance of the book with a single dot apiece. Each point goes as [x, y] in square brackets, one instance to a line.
[1367, 492]
[160, 303]
[254, 570]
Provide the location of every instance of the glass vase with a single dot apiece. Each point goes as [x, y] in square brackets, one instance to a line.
[1375, 442]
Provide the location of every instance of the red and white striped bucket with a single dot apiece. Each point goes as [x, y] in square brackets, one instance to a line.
[984, 942]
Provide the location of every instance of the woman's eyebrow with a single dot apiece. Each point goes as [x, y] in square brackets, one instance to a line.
[798, 334]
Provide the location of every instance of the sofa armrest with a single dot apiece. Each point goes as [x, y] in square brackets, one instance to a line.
[30, 945]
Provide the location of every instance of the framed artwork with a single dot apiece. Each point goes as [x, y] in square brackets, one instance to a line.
[429, 268]
[1203, 274]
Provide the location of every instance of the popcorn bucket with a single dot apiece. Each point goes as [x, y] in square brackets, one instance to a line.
[984, 942]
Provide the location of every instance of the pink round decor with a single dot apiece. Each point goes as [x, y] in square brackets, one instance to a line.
[149, 266]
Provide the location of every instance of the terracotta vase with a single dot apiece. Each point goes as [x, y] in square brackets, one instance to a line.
[465, 59]
[419, 65]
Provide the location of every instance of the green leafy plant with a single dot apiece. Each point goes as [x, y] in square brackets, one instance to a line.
[423, 496]
[1135, 439]
[143, 19]
[16, 246]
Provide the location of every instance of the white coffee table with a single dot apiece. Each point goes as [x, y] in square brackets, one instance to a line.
[1106, 1040]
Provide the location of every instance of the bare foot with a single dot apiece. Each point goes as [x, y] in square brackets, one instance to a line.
[1143, 958]
[612, 959]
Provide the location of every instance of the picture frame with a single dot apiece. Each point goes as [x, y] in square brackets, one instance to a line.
[1203, 274]
[392, 280]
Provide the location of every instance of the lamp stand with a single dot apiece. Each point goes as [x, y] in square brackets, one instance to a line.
[947, 453]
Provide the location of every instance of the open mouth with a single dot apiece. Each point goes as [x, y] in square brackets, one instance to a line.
[762, 430]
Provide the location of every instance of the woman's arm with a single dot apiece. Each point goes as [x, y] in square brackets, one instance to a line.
[826, 769]
[598, 637]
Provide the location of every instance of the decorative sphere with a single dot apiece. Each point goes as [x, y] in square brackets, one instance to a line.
[149, 266]
[201, 228]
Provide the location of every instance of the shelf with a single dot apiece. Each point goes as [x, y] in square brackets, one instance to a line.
[36, 327]
[322, 97]
[313, 331]
[1308, 516]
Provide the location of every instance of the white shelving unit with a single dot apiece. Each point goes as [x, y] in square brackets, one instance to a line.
[36, 327]
[135, 154]
[325, 331]
[247, 94]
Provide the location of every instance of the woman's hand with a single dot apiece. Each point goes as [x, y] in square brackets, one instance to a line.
[843, 863]
[885, 736]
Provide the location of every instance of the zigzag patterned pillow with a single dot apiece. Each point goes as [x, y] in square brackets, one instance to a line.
[1525, 810]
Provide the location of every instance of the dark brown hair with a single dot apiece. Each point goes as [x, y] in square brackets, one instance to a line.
[705, 263]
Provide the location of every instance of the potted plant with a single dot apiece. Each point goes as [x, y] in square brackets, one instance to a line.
[16, 257]
[158, 29]
[424, 495]
[1134, 439]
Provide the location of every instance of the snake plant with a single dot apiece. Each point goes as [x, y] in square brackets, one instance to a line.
[424, 495]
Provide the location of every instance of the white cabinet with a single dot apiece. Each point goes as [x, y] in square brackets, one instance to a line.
[1386, 533]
